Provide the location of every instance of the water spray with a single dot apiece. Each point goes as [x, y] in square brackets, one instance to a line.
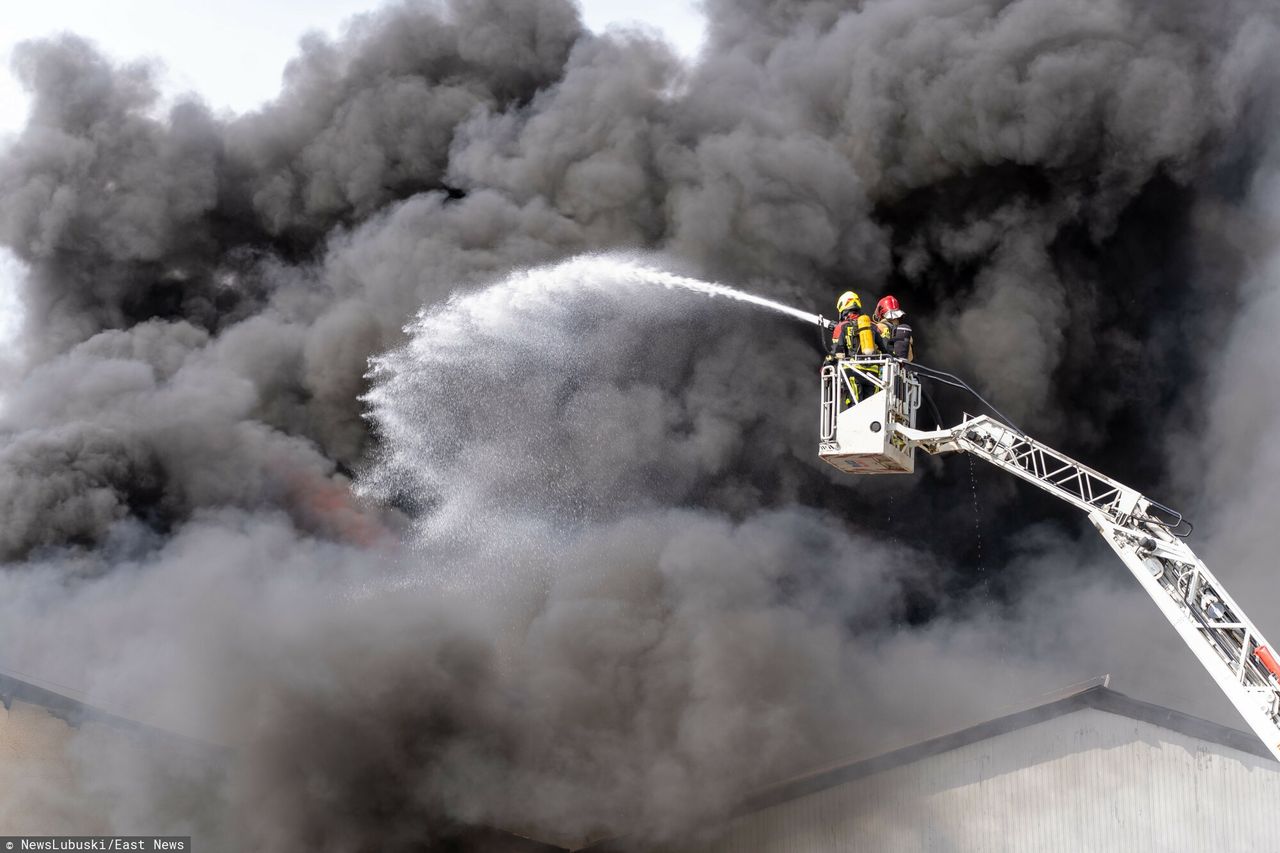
[616, 268]
[528, 325]
[648, 275]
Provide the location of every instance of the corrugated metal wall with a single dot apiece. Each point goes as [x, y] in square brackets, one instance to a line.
[1085, 781]
[39, 792]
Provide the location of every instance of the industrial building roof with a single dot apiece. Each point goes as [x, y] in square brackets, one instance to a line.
[74, 712]
[53, 698]
[1094, 695]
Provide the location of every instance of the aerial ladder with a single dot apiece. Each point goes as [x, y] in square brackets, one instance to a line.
[877, 434]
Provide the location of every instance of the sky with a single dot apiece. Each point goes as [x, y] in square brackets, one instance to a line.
[233, 53]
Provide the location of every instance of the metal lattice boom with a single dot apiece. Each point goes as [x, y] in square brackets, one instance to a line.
[1147, 536]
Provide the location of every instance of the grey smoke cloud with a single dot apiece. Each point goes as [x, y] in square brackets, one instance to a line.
[632, 594]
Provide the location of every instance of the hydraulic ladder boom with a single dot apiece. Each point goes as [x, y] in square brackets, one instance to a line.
[1146, 535]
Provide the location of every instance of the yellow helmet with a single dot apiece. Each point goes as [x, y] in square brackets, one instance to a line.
[848, 301]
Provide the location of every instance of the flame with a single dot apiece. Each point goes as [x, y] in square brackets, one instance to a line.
[325, 504]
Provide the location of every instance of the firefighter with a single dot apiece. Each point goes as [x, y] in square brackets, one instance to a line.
[853, 335]
[896, 334]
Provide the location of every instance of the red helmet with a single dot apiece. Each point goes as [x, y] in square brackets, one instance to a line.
[887, 308]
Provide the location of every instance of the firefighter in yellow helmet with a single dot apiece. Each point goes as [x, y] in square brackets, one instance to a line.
[853, 335]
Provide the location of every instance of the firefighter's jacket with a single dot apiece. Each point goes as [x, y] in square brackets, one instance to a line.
[898, 340]
[855, 334]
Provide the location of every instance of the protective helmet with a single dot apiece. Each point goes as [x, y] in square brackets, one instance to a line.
[848, 301]
[887, 308]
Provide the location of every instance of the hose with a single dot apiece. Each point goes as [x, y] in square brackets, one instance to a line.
[933, 408]
[956, 382]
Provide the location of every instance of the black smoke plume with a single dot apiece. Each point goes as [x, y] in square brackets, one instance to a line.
[564, 563]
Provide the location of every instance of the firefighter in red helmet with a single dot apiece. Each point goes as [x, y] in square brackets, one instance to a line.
[896, 333]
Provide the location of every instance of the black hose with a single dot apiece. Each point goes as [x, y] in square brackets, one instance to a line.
[933, 407]
[824, 342]
[956, 382]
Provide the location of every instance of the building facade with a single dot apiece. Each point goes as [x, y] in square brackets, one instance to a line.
[1094, 771]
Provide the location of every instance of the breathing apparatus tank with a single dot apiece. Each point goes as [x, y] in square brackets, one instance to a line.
[866, 340]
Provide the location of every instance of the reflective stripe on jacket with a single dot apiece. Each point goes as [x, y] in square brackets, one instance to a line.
[898, 339]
